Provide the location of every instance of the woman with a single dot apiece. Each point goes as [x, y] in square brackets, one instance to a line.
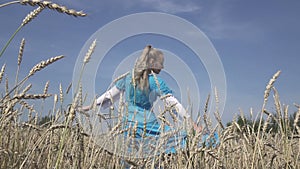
[142, 87]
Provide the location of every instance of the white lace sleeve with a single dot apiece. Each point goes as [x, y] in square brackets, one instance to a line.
[105, 99]
[171, 100]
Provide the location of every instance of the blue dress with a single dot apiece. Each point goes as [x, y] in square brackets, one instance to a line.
[139, 105]
[139, 102]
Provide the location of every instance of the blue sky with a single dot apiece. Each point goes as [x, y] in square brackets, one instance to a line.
[254, 39]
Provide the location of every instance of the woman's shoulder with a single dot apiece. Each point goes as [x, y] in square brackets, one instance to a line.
[154, 81]
[120, 81]
[155, 78]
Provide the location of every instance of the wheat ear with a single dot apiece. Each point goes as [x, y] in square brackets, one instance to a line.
[2, 72]
[26, 105]
[21, 50]
[36, 68]
[270, 85]
[32, 96]
[31, 15]
[43, 64]
[266, 95]
[90, 52]
[46, 87]
[61, 94]
[53, 6]
[19, 61]
[26, 20]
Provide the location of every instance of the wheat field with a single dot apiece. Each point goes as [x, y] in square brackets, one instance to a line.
[267, 140]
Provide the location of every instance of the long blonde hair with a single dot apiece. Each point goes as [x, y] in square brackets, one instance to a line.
[150, 59]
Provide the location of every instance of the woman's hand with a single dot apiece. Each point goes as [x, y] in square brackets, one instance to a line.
[83, 109]
[197, 128]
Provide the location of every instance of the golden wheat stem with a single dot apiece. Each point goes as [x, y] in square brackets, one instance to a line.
[297, 118]
[120, 77]
[26, 20]
[156, 81]
[265, 126]
[69, 120]
[9, 3]
[26, 105]
[85, 60]
[21, 50]
[19, 61]
[270, 85]
[10, 39]
[27, 88]
[61, 95]
[266, 95]
[90, 52]
[278, 108]
[80, 95]
[46, 87]
[69, 87]
[31, 96]
[2, 72]
[6, 87]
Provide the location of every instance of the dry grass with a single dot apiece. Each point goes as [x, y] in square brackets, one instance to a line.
[63, 142]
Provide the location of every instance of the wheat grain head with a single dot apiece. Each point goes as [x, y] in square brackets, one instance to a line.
[31, 15]
[43, 64]
[53, 6]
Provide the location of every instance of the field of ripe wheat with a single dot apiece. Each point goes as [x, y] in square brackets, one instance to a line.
[267, 140]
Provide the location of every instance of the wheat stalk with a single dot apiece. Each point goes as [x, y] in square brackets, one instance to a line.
[69, 87]
[205, 111]
[266, 123]
[61, 94]
[53, 6]
[9, 3]
[80, 95]
[90, 52]
[19, 61]
[32, 96]
[46, 87]
[26, 105]
[217, 114]
[270, 85]
[55, 99]
[266, 95]
[2, 72]
[156, 82]
[277, 106]
[6, 87]
[121, 77]
[26, 20]
[27, 88]
[43, 64]
[85, 61]
[21, 50]
[297, 117]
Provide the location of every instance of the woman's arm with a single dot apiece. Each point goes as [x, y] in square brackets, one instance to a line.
[171, 100]
[105, 99]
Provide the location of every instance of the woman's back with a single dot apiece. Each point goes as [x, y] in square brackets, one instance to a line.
[140, 102]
